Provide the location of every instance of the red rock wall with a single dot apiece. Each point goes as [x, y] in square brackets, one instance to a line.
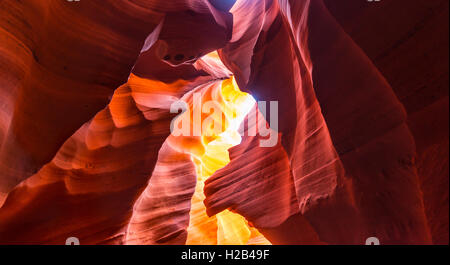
[410, 51]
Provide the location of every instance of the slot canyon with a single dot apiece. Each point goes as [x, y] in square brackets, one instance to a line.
[87, 149]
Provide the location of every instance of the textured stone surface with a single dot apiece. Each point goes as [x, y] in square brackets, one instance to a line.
[362, 90]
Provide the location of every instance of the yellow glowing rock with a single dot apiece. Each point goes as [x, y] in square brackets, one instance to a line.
[226, 228]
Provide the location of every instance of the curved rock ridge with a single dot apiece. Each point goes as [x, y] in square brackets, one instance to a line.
[89, 189]
[161, 214]
[66, 60]
[348, 159]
